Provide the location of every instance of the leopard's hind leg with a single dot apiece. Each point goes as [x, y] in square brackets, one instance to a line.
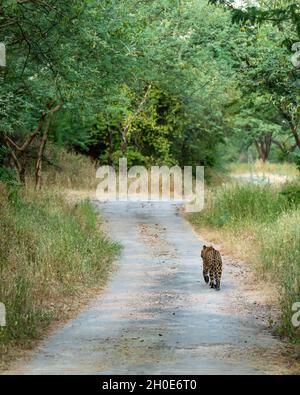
[218, 274]
[212, 278]
[205, 275]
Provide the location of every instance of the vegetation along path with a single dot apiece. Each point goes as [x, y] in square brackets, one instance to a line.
[157, 315]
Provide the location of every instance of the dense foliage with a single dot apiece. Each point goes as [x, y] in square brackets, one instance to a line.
[158, 81]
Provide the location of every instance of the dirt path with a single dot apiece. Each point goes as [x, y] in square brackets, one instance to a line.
[157, 315]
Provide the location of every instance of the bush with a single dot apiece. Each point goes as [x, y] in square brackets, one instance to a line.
[291, 191]
[8, 176]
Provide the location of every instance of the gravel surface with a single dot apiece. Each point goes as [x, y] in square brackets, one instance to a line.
[157, 315]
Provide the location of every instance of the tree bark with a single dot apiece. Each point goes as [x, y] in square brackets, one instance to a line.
[19, 153]
[296, 135]
[20, 167]
[111, 148]
[38, 166]
[263, 146]
[293, 124]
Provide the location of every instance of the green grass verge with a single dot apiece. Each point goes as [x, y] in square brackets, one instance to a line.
[267, 220]
[49, 250]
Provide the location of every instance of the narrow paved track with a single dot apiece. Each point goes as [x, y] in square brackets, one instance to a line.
[157, 315]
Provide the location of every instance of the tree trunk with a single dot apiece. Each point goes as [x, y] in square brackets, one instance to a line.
[110, 149]
[293, 124]
[38, 166]
[296, 135]
[263, 146]
[18, 154]
[21, 168]
[22, 175]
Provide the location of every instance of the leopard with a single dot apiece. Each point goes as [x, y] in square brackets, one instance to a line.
[212, 266]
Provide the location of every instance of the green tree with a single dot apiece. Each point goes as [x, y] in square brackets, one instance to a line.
[280, 13]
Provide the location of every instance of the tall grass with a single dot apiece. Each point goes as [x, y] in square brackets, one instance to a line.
[283, 169]
[267, 219]
[234, 204]
[280, 260]
[66, 170]
[49, 250]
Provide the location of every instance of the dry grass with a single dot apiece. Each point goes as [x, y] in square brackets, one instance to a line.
[260, 167]
[67, 170]
[227, 238]
[51, 252]
[260, 225]
[76, 175]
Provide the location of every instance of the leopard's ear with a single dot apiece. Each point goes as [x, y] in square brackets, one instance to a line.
[204, 246]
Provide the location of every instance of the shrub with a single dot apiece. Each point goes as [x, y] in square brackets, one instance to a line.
[291, 191]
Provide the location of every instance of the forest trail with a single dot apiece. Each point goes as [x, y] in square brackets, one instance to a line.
[157, 316]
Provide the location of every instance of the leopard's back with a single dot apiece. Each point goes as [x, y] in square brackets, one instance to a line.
[212, 266]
